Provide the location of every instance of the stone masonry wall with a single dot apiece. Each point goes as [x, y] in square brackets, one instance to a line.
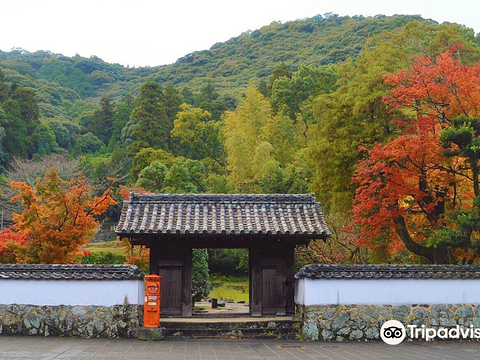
[62, 320]
[363, 322]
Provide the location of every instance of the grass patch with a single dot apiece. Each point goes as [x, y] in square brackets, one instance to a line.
[233, 288]
[114, 247]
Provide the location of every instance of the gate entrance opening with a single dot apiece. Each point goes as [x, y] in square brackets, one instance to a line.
[229, 294]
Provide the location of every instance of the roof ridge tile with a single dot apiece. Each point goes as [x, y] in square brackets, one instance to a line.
[387, 271]
[227, 214]
[68, 271]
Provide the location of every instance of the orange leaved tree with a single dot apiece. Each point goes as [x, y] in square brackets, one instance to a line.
[58, 217]
[11, 244]
[421, 190]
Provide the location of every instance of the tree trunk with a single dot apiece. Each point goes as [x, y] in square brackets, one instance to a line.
[434, 255]
[475, 174]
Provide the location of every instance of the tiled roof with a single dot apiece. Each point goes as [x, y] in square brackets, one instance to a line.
[321, 271]
[70, 272]
[231, 214]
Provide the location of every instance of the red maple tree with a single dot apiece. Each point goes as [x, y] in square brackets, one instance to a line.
[11, 243]
[441, 88]
[58, 217]
[409, 188]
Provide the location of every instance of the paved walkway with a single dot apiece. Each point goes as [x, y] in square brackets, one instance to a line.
[38, 348]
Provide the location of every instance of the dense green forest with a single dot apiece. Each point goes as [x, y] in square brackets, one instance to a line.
[288, 108]
[229, 66]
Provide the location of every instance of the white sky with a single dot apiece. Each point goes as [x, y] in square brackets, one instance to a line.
[157, 32]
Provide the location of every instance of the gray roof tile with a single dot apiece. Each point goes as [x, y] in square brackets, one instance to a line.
[323, 271]
[228, 214]
[69, 272]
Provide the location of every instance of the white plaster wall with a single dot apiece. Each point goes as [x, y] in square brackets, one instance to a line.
[300, 292]
[71, 292]
[387, 291]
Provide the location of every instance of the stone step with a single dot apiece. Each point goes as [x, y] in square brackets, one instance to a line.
[200, 315]
[231, 328]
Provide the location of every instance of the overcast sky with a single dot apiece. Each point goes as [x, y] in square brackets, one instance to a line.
[157, 32]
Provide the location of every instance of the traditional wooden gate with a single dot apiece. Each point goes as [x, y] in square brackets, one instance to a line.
[270, 226]
[174, 265]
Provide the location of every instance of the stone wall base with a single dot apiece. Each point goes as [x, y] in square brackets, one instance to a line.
[151, 334]
[363, 322]
[79, 321]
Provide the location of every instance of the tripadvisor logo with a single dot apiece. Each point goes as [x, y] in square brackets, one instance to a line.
[393, 332]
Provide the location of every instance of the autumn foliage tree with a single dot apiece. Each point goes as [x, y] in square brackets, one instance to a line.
[58, 217]
[420, 191]
[11, 244]
[402, 193]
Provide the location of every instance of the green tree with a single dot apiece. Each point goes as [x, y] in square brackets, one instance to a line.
[280, 72]
[259, 144]
[3, 155]
[151, 124]
[243, 133]
[185, 176]
[86, 143]
[4, 88]
[145, 157]
[85, 119]
[152, 177]
[228, 262]
[188, 96]
[27, 100]
[17, 139]
[194, 127]
[122, 116]
[207, 100]
[263, 88]
[20, 121]
[61, 71]
[200, 277]
[276, 181]
[173, 100]
[65, 131]
[103, 120]
[286, 137]
[45, 141]
[293, 95]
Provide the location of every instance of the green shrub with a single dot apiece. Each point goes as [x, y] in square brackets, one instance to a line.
[228, 262]
[103, 258]
[200, 277]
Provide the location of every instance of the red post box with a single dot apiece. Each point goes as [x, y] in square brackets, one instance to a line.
[151, 310]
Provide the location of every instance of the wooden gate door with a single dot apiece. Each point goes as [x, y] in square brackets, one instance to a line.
[174, 265]
[171, 287]
[271, 280]
[273, 297]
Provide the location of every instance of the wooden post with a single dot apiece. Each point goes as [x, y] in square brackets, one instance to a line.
[255, 282]
[187, 306]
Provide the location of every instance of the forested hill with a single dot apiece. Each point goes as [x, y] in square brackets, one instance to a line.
[228, 66]
[255, 54]
[378, 116]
